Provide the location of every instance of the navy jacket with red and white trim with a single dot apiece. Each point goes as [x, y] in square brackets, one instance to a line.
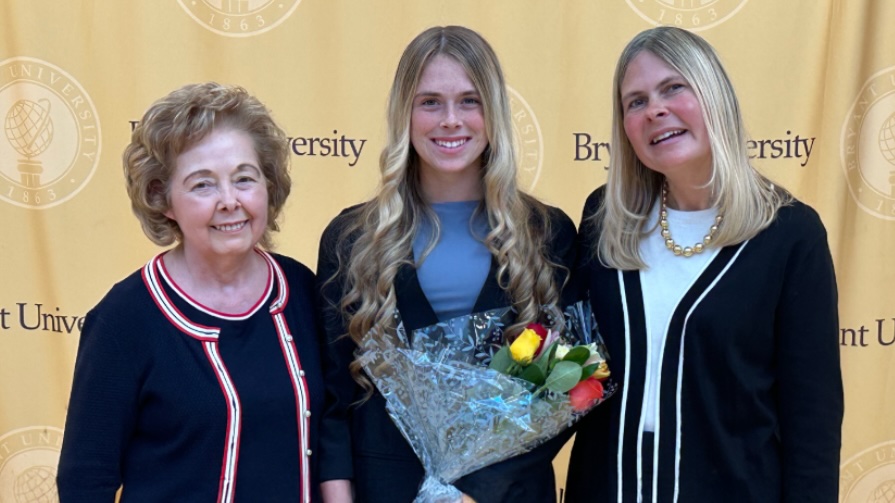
[176, 402]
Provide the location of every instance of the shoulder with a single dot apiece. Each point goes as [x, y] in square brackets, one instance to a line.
[594, 200]
[796, 238]
[558, 217]
[128, 294]
[560, 221]
[292, 267]
[345, 217]
[126, 312]
[797, 222]
[589, 225]
[538, 212]
[297, 274]
[335, 231]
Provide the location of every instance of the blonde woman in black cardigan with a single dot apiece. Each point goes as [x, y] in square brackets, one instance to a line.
[715, 294]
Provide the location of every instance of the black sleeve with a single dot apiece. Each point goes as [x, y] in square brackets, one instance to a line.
[563, 251]
[809, 376]
[102, 411]
[338, 352]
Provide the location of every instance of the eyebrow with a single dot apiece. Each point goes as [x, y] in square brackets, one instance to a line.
[248, 167]
[239, 169]
[471, 92]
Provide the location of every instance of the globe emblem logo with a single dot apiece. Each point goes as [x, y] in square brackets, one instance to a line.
[29, 129]
[239, 18]
[867, 148]
[887, 148]
[51, 142]
[28, 460]
[869, 476]
[36, 484]
[885, 493]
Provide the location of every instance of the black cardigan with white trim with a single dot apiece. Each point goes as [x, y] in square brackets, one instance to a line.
[750, 397]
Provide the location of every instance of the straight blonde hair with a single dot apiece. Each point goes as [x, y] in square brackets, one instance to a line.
[748, 200]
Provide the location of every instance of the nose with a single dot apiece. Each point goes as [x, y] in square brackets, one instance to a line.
[451, 119]
[656, 109]
[229, 199]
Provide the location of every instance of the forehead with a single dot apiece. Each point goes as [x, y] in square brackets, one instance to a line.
[223, 147]
[646, 69]
[443, 73]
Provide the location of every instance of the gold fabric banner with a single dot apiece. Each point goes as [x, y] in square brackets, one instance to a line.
[816, 79]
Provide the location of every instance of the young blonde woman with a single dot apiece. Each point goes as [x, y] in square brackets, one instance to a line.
[447, 234]
[715, 294]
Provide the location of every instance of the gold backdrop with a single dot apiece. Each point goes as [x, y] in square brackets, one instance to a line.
[816, 79]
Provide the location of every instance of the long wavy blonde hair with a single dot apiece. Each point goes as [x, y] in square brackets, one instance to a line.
[748, 200]
[383, 229]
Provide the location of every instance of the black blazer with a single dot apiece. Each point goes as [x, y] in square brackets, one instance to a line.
[360, 442]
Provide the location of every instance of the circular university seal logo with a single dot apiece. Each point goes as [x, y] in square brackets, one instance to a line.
[51, 139]
[239, 18]
[28, 460]
[527, 134]
[869, 476]
[867, 147]
[693, 15]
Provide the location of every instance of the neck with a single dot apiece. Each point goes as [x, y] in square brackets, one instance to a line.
[688, 197]
[449, 189]
[188, 267]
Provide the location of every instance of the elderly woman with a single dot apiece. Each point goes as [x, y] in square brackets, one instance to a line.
[196, 376]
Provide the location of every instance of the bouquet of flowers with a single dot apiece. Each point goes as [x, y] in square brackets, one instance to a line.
[458, 414]
[538, 357]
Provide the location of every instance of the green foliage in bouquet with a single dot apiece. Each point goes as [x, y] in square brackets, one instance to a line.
[538, 356]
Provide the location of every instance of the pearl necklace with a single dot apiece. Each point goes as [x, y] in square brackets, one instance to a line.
[678, 250]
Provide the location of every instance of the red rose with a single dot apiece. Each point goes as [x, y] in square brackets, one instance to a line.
[538, 328]
[542, 334]
[583, 395]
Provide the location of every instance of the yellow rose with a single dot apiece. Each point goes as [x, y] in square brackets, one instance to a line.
[523, 348]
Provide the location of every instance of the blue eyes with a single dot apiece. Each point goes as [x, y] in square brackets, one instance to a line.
[466, 102]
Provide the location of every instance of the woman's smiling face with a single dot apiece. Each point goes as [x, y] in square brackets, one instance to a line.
[663, 119]
[447, 126]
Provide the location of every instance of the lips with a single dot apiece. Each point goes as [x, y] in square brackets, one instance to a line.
[454, 143]
[231, 227]
[666, 135]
